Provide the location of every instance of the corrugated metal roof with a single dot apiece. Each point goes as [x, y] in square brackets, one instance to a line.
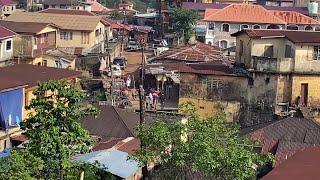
[116, 162]
[30, 75]
[6, 33]
[292, 35]
[66, 22]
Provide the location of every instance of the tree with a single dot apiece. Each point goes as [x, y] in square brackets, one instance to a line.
[209, 146]
[20, 165]
[185, 21]
[54, 135]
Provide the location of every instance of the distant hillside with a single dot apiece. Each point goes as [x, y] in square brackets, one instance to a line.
[139, 5]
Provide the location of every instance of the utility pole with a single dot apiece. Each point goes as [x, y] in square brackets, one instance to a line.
[142, 107]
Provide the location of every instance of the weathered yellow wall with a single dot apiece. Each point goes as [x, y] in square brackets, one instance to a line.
[313, 88]
[206, 108]
[76, 38]
[304, 59]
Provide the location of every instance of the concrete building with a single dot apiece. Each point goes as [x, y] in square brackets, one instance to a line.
[17, 84]
[6, 45]
[286, 61]
[32, 40]
[86, 32]
[221, 23]
[7, 7]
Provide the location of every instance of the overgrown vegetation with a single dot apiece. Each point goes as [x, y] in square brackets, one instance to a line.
[208, 146]
[54, 136]
[185, 21]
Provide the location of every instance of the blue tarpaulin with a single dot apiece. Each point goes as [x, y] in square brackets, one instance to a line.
[11, 108]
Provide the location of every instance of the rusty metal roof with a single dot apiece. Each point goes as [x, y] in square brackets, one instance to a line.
[30, 75]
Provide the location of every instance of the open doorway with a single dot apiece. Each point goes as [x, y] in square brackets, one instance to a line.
[304, 94]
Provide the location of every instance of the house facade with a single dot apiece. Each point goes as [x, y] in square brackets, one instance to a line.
[32, 40]
[6, 45]
[7, 7]
[86, 32]
[286, 60]
[11, 109]
[219, 24]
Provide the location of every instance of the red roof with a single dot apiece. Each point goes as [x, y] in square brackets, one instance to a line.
[199, 52]
[97, 7]
[6, 33]
[7, 2]
[242, 13]
[118, 25]
[291, 17]
[248, 13]
[304, 165]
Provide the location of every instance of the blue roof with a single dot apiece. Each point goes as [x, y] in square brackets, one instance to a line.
[115, 161]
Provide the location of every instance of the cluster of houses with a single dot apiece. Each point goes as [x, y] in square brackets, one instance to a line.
[259, 64]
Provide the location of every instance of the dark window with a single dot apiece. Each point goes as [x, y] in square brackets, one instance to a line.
[316, 53]
[268, 51]
[267, 80]
[308, 28]
[45, 63]
[223, 44]
[8, 45]
[288, 52]
[225, 27]
[256, 27]
[211, 26]
[244, 26]
[241, 48]
[293, 27]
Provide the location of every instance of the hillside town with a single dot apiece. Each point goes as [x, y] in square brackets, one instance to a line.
[159, 89]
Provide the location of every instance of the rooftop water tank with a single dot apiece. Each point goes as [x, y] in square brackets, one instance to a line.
[313, 8]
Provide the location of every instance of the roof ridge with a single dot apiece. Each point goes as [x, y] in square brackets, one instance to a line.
[218, 10]
[119, 117]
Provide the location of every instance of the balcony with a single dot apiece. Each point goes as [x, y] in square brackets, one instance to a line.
[270, 64]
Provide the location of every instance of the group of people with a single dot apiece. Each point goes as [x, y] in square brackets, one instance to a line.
[152, 99]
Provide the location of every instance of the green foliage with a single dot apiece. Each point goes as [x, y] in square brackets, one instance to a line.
[185, 21]
[210, 146]
[117, 16]
[98, 96]
[54, 134]
[20, 165]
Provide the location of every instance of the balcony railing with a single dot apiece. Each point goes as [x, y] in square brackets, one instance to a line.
[260, 63]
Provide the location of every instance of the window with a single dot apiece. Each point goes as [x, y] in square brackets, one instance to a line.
[316, 53]
[213, 84]
[308, 28]
[211, 26]
[45, 63]
[288, 52]
[97, 32]
[256, 26]
[268, 51]
[273, 26]
[58, 64]
[225, 27]
[66, 35]
[8, 45]
[241, 48]
[84, 37]
[223, 44]
[293, 27]
[244, 26]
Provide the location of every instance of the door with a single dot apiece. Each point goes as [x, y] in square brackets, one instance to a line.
[304, 94]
